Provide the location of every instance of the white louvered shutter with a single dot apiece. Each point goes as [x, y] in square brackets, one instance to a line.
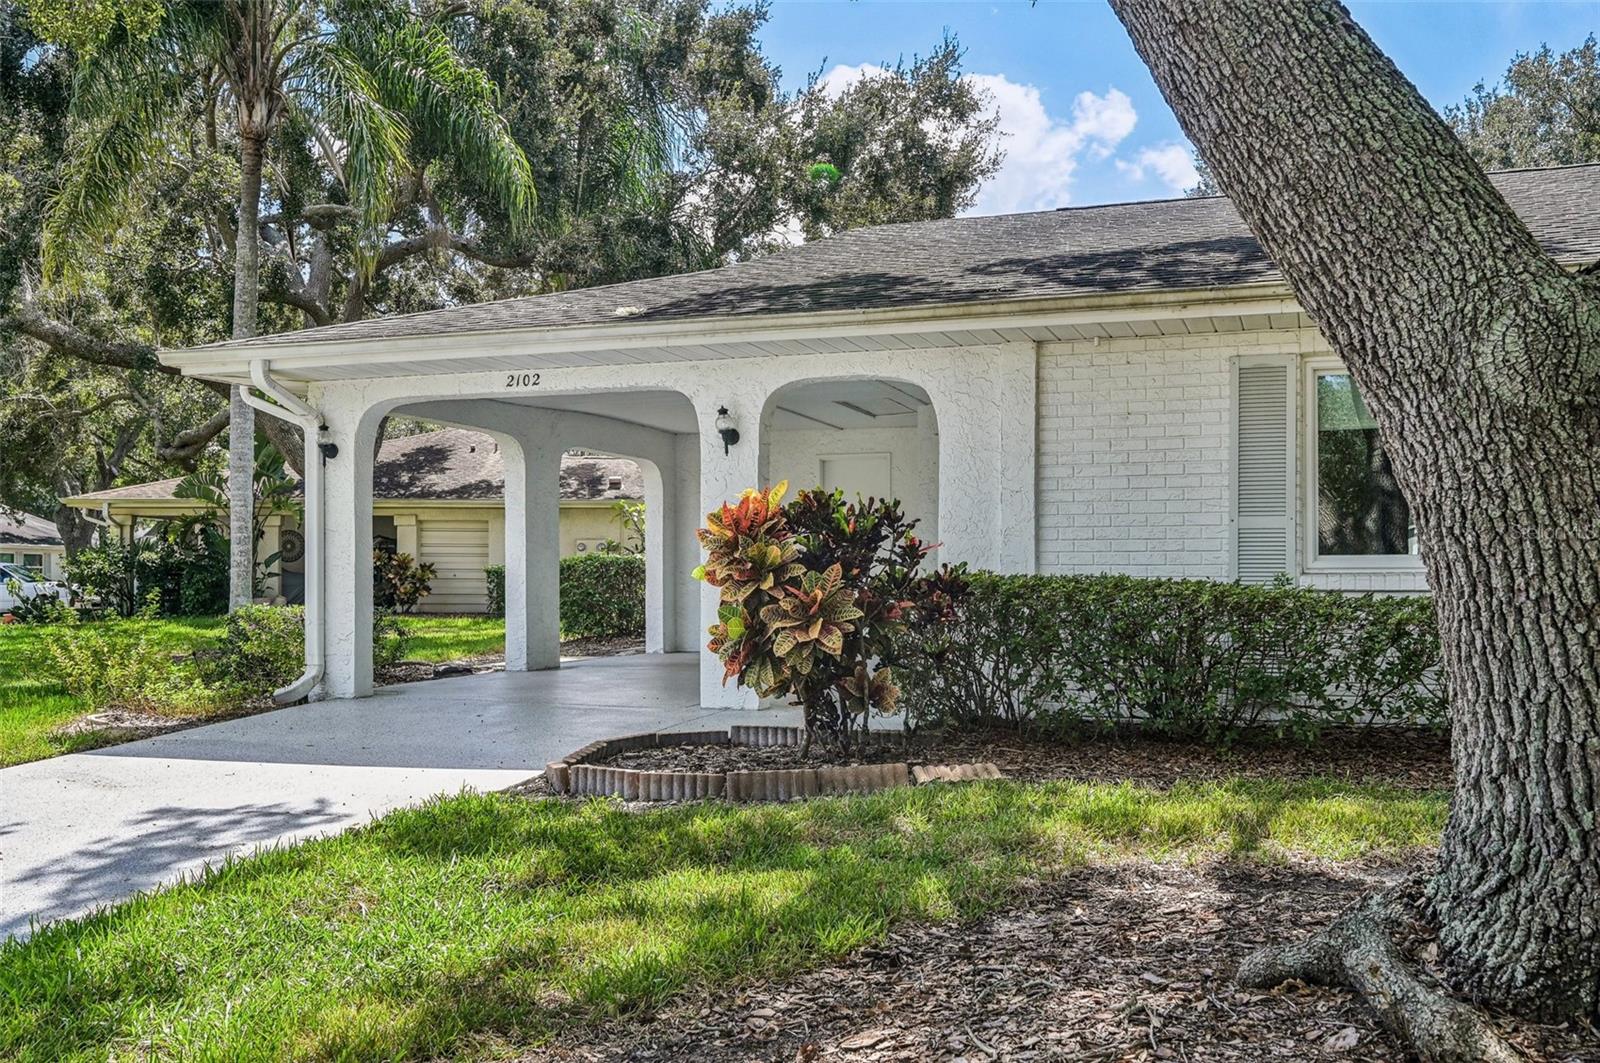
[1264, 467]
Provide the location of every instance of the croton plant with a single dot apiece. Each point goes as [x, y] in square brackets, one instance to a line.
[813, 597]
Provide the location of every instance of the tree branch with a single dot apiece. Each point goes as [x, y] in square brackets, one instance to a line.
[60, 336]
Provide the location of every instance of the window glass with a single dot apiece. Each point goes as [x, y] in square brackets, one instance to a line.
[8, 559]
[35, 562]
[1360, 511]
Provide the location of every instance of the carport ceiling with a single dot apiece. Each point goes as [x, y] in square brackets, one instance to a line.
[831, 404]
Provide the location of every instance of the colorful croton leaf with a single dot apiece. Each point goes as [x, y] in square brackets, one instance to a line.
[813, 616]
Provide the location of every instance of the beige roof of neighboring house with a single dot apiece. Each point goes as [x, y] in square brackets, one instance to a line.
[451, 464]
[24, 529]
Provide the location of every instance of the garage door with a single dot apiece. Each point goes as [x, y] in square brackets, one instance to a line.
[459, 550]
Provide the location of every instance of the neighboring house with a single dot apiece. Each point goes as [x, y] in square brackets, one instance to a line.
[1125, 388]
[438, 496]
[32, 542]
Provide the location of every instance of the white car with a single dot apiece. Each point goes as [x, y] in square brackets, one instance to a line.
[18, 583]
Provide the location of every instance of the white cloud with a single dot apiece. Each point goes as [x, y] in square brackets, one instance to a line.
[1041, 149]
[1172, 163]
[841, 77]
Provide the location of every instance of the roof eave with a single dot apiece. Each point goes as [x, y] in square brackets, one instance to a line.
[231, 362]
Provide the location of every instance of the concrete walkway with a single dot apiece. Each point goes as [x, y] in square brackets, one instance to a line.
[81, 831]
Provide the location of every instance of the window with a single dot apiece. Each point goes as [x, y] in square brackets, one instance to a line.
[1357, 515]
[33, 561]
[8, 559]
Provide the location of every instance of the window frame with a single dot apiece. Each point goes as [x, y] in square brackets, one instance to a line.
[1313, 562]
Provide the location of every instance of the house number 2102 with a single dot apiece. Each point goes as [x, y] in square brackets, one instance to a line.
[522, 380]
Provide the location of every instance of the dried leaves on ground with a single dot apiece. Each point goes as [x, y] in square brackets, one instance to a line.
[1400, 757]
[1123, 963]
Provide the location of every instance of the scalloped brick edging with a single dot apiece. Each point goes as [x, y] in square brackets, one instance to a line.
[577, 774]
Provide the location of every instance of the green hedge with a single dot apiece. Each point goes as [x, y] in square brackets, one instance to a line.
[495, 576]
[1188, 658]
[601, 594]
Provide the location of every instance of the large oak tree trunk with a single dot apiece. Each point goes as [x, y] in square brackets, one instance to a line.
[1479, 356]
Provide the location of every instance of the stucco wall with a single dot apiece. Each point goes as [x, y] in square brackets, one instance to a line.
[588, 523]
[795, 455]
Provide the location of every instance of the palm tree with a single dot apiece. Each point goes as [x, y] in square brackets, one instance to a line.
[359, 82]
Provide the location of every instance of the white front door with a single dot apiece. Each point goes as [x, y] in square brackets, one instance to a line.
[866, 475]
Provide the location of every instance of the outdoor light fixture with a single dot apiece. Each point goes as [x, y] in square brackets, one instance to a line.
[725, 428]
[329, 449]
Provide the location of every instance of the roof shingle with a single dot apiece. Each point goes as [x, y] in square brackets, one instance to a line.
[1127, 247]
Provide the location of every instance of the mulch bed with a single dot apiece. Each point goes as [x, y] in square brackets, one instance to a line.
[1400, 757]
[417, 671]
[1129, 962]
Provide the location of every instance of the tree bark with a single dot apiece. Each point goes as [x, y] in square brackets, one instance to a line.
[1479, 356]
[242, 418]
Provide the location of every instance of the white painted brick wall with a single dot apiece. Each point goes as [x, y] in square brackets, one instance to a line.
[1135, 456]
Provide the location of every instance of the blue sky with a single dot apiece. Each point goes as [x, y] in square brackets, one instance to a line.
[1087, 123]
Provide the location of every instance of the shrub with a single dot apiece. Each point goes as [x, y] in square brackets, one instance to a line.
[495, 576]
[1188, 658]
[122, 667]
[263, 648]
[185, 572]
[398, 582]
[390, 639]
[602, 595]
[816, 600]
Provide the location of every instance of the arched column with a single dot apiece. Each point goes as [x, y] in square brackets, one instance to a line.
[533, 549]
[347, 549]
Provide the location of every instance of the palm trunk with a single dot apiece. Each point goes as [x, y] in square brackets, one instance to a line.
[1480, 358]
[242, 419]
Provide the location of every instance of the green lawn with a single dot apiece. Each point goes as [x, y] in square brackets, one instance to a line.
[33, 703]
[476, 923]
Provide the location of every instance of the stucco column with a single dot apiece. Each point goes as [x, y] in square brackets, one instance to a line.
[987, 458]
[723, 477]
[347, 545]
[405, 535]
[272, 543]
[533, 552]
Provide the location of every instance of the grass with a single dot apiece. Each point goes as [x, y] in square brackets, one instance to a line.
[477, 923]
[33, 702]
[449, 638]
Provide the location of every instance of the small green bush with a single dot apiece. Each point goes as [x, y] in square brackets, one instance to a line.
[602, 595]
[263, 648]
[123, 667]
[399, 583]
[495, 576]
[1188, 658]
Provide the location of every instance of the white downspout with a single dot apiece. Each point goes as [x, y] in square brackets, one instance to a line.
[291, 408]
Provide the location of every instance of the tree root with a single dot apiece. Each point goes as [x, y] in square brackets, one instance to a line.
[1358, 951]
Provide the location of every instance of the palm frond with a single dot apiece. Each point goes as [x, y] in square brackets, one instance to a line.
[125, 98]
[337, 93]
[452, 105]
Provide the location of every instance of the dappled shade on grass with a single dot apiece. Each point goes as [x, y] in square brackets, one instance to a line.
[480, 919]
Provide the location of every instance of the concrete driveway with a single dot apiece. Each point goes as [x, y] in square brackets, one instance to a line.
[81, 831]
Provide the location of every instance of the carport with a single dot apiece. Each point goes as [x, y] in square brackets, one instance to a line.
[708, 400]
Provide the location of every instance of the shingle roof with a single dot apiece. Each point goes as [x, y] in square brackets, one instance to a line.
[24, 529]
[1125, 247]
[450, 464]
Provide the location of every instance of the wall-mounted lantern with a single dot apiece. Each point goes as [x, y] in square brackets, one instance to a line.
[726, 429]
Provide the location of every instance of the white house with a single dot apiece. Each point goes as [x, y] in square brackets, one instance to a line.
[32, 542]
[1127, 388]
